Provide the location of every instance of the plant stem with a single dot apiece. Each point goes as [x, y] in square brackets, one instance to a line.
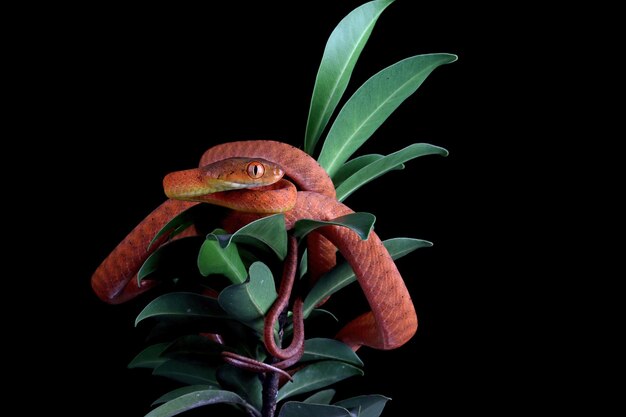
[270, 392]
[270, 383]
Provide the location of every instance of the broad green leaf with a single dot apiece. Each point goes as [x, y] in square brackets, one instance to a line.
[187, 372]
[321, 397]
[170, 327]
[247, 255]
[269, 231]
[302, 409]
[384, 165]
[334, 280]
[251, 300]
[169, 396]
[400, 246]
[317, 375]
[366, 405]
[198, 399]
[178, 224]
[182, 304]
[329, 349]
[354, 165]
[194, 346]
[342, 274]
[215, 259]
[246, 384]
[360, 223]
[320, 312]
[372, 103]
[340, 56]
[317, 313]
[150, 357]
[169, 256]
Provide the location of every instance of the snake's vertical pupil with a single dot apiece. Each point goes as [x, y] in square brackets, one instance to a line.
[256, 169]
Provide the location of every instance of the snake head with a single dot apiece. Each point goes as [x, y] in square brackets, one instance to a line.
[225, 175]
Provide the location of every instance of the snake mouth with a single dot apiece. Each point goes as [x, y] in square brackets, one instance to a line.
[195, 191]
[192, 185]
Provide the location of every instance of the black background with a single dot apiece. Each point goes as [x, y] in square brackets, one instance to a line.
[132, 94]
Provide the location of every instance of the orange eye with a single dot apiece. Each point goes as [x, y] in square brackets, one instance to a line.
[255, 169]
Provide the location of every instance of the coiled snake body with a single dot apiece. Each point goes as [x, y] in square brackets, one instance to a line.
[226, 172]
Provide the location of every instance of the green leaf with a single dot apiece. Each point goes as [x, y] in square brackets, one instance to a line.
[365, 405]
[316, 314]
[169, 396]
[354, 165]
[215, 259]
[321, 313]
[169, 256]
[384, 165]
[342, 274]
[150, 357]
[372, 103]
[187, 372]
[300, 409]
[247, 255]
[400, 246]
[342, 51]
[360, 223]
[178, 224]
[198, 399]
[303, 267]
[182, 304]
[164, 327]
[321, 397]
[317, 375]
[194, 346]
[329, 349]
[251, 300]
[269, 231]
[245, 384]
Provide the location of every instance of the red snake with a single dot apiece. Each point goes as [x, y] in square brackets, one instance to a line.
[392, 320]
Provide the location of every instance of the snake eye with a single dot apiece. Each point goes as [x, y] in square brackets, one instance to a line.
[255, 169]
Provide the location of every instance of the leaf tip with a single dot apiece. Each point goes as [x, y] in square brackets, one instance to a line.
[446, 58]
[440, 150]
